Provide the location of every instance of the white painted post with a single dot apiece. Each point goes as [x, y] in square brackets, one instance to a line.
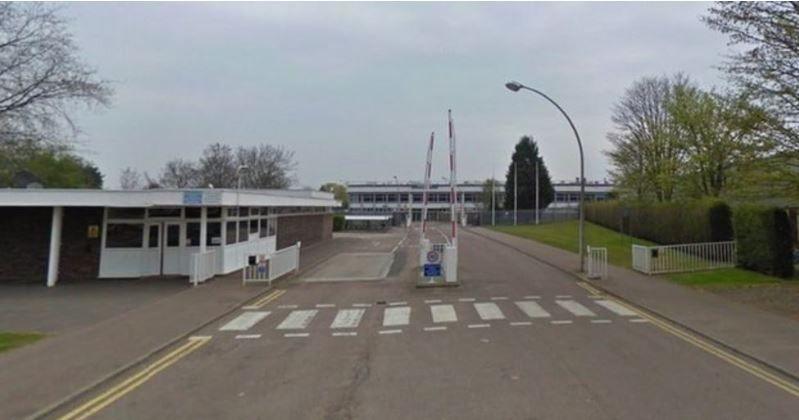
[297, 265]
[203, 228]
[55, 246]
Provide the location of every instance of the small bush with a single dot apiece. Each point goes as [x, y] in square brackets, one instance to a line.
[338, 222]
[764, 240]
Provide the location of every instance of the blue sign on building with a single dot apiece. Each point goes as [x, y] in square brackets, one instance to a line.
[193, 197]
[432, 270]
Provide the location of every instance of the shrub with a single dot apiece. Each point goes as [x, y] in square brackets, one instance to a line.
[764, 240]
[666, 223]
[338, 222]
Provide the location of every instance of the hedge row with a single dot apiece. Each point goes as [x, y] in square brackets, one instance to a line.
[666, 223]
[764, 240]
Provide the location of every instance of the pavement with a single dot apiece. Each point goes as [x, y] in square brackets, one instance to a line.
[769, 338]
[520, 338]
[96, 334]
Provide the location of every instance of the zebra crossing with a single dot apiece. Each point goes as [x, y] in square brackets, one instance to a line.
[433, 315]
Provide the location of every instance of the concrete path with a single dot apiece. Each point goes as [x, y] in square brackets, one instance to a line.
[35, 377]
[770, 338]
[518, 339]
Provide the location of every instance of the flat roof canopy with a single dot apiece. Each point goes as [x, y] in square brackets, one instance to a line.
[164, 198]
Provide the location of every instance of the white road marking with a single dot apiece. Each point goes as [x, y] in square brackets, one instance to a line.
[443, 313]
[396, 316]
[325, 305]
[389, 331]
[532, 297]
[362, 305]
[639, 320]
[441, 328]
[296, 335]
[397, 303]
[575, 308]
[247, 336]
[488, 311]
[563, 297]
[499, 298]
[561, 322]
[347, 318]
[287, 307]
[601, 321]
[478, 325]
[298, 320]
[615, 308]
[520, 323]
[433, 301]
[466, 300]
[345, 334]
[245, 321]
[532, 309]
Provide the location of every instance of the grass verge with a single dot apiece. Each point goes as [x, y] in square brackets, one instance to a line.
[10, 340]
[564, 235]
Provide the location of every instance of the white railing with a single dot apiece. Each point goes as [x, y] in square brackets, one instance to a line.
[683, 257]
[279, 263]
[202, 266]
[597, 263]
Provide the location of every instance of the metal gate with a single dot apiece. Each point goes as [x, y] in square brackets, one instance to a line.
[597, 263]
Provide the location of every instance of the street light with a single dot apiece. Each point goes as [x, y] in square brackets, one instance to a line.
[515, 87]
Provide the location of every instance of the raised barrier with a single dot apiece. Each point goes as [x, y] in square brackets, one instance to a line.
[202, 266]
[271, 267]
[683, 257]
[597, 262]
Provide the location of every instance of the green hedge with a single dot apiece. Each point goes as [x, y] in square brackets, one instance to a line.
[666, 223]
[764, 240]
[338, 222]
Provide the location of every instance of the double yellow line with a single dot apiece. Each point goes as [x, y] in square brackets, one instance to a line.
[101, 401]
[266, 299]
[722, 354]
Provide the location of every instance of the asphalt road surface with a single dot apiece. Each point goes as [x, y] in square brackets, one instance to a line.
[518, 340]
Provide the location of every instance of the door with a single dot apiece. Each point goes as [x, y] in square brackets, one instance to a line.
[151, 257]
[172, 255]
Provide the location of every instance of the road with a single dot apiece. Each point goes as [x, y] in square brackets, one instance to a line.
[519, 339]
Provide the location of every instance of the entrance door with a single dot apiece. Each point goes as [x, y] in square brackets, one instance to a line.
[151, 257]
[172, 256]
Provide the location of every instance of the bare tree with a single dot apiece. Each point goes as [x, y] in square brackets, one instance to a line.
[218, 166]
[41, 76]
[179, 173]
[268, 166]
[647, 152]
[130, 179]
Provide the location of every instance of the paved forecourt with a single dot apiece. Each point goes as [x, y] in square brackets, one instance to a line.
[518, 339]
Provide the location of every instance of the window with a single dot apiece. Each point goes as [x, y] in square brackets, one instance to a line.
[214, 212]
[233, 211]
[417, 197]
[213, 234]
[192, 212]
[367, 198]
[152, 241]
[122, 235]
[230, 235]
[254, 226]
[272, 227]
[164, 212]
[192, 234]
[379, 198]
[244, 233]
[172, 235]
[264, 227]
[126, 213]
[244, 211]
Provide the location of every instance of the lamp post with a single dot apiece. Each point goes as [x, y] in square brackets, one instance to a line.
[515, 87]
[399, 211]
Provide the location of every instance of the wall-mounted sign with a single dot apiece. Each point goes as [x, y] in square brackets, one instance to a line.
[193, 198]
[93, 232]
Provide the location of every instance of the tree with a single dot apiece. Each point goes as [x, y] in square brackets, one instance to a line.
[41, 76]
[490, 186]
[218, 167]
[267, 166]
[647, 154]
[179, 173]
[339, 192]
[130, 179]
[524, 157]
[719, 134]
[53, 167]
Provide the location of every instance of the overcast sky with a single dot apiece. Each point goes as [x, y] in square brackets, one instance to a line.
[355, 89]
